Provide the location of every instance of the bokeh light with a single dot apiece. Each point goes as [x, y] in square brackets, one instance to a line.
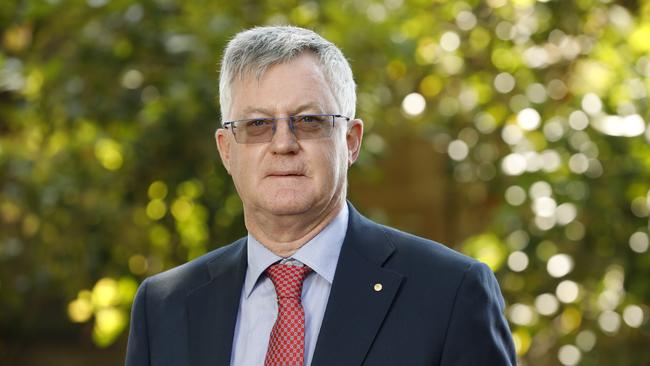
[546, 304]
[592, 104]
[639, 242]
[504, 82]
[515, 195]
[132, 79]
[567, 291]
[627, 126]
[449, 41]
[81, 308]
[586, 340]
[569, 355]
[109, 154]
[578, 120]
[514, 164]
[458, 150]
[413, 104]
[517, 261]
[529, 119]
[559, 265]
[609, 321]
[522, 314]
[633, 316]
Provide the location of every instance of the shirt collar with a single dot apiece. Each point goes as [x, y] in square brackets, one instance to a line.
[321, 253]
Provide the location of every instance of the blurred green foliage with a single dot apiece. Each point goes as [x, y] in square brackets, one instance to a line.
[108, 172]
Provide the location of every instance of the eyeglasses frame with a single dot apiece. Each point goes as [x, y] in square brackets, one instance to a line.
[231, 125]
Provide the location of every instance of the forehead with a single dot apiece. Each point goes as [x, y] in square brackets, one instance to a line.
[284, 89]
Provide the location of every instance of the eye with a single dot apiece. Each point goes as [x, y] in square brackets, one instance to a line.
[310, 119]
[258, 122]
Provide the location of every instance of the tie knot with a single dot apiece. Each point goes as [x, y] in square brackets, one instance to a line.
[287, 279]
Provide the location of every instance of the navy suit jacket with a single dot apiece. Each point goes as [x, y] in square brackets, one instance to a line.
[436, 307]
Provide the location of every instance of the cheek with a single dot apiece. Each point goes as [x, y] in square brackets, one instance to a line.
[242, 168]
[335, 163]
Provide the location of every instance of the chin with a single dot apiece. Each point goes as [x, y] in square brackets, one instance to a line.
[288, 202]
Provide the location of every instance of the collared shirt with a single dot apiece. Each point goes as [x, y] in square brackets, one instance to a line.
[258, 308]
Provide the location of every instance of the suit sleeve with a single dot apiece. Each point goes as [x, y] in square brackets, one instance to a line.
[137, 350]
[478, 332]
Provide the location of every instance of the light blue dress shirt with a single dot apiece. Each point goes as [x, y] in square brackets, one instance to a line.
[258, 308]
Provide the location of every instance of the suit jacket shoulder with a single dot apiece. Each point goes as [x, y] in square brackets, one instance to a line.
[398, 299]
[187, 315]
[426, 250]
[188, 276]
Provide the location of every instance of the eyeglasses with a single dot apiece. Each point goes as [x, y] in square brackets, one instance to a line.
[304, 127]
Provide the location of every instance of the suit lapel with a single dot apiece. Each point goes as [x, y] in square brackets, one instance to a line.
[212, 308]
[362, 293]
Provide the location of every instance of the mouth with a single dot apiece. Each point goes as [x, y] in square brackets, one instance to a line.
[285, 174]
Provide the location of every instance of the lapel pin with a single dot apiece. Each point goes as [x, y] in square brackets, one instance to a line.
[378, 287]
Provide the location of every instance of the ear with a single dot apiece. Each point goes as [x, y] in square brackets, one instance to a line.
[223, 140]
[353, 139]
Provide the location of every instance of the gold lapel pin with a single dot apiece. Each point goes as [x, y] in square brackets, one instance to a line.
[378, 287]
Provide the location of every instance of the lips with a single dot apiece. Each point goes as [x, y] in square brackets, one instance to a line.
[285, 174]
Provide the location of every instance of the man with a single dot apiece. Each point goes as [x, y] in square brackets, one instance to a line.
[314, 282]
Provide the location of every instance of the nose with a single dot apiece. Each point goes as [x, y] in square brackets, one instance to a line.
[284, 141]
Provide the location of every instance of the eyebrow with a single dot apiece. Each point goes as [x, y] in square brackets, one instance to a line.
[266, 112]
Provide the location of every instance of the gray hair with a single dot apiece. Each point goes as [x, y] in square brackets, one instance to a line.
[254, 50]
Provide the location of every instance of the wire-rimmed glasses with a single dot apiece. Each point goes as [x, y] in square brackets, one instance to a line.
[304, 127]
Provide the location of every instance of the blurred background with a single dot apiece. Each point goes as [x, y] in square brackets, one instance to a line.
[515, 131]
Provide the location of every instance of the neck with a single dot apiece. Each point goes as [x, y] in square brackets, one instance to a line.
[284, 235]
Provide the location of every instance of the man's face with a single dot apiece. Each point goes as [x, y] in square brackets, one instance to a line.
[287, 176]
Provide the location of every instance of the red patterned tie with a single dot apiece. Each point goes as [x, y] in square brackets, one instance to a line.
[287, 341]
